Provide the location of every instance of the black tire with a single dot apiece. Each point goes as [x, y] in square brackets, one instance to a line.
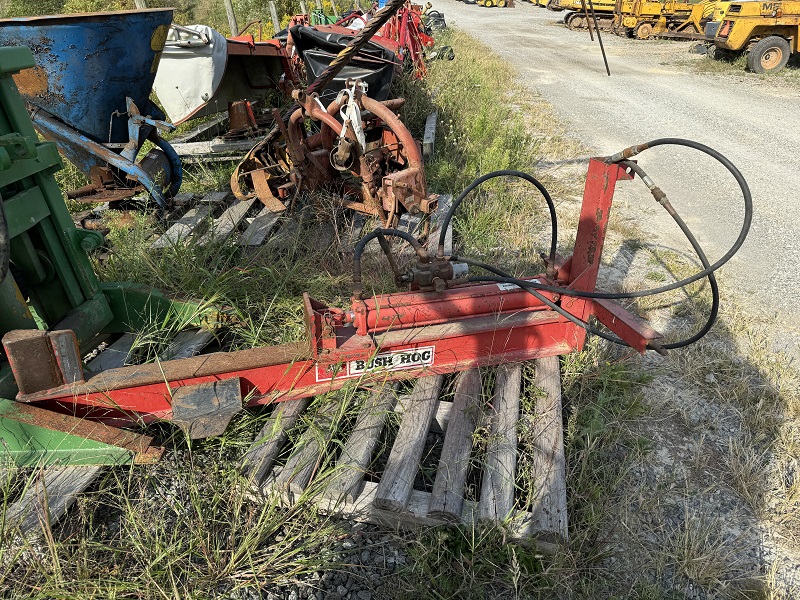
[769, 55]
[722, 54]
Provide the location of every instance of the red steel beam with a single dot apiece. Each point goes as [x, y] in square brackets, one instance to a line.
[408, 335]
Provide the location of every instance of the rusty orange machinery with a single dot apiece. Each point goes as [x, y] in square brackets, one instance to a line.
[442, 325]
[362, 148]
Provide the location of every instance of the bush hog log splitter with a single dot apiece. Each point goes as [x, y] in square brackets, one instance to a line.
[448, 322]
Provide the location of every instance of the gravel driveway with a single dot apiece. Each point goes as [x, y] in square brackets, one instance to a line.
[656, 90]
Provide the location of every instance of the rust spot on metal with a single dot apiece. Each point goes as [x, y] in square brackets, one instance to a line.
[32, 82]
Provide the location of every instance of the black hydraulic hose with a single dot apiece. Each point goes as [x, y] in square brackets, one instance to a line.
[713, 313]
[712, 280]
[504, 173]
[529, 287]
[380, 233]
[622, 157]
[661, 198]
[5, 243]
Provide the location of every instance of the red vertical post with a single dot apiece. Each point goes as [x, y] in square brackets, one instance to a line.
[598, 194]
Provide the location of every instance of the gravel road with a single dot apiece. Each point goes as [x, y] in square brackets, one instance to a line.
[655, 90]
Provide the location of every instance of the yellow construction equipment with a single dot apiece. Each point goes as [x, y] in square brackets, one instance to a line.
[768, 31]
[643, 19]
[716, 20]
[577, 11]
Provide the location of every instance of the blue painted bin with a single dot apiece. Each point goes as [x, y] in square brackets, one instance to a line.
[86, 65]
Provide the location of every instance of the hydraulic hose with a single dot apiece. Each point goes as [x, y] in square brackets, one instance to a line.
[707, 271]
[380, 234]
[662, 199]
[505, 173]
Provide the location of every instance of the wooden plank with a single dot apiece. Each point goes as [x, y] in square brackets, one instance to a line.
[348, 476]
[305, 459]
[412, 225]
[445, 202]
[447, 496]
[183, 199]
[113, 357]
[257, 462]
[214, 198]
[550, 506]
[394, 489]
[214, 146]
[429, 138]
[286, 237]
[259, 229]
[48, 497]
[200, 129]
[226, 223]
[364, 509]
[181, 230]
[440, 419]
[187, 344]
[499, 473]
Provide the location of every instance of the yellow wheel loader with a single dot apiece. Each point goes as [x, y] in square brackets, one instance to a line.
[769, 32]
[716, 20]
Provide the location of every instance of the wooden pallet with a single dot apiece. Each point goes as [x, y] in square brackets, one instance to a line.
[210, 219]
[213, 218]
[52, 490]
[344, 490]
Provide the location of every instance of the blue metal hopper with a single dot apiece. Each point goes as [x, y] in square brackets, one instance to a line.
[91, 85]
[87, 64]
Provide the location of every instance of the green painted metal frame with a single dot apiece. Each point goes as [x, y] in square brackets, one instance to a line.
[53, 286]
[35, 437]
